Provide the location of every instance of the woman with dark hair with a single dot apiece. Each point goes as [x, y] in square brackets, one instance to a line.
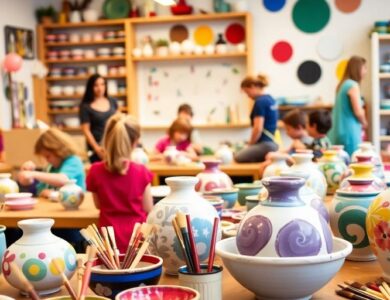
[348, 114]
[95, 109]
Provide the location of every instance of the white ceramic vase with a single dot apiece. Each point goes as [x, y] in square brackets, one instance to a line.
[33, 254]
[303, 162]
[75, 16]
[7, 185]
[182, 198]
[139, 156]
[277, 166]
[212, 178]
[224, 154]
[71, 195]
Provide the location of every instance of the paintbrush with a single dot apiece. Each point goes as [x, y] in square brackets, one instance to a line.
[373, 286]
[100, 253]
[181, 221]
[349, 295]
[108, 246]
[140, 253]
[180, 238]
[26, 285]
[134, 234]
[87, 272]
[212, 245]
[80, 272]
[142, 237]
[359, 292]
[69, 288]
[193, 249]
[111, 234]
[364, 288]
[386, 286]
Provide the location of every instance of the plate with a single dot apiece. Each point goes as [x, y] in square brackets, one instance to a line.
[228, 213]
[203, 35]
[17, 196]
[178, 33]
[116, 9]
[235, 33]
[23, 204]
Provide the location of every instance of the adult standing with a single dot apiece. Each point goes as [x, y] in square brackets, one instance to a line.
[348, 114]
[95, 109]
[264, 118]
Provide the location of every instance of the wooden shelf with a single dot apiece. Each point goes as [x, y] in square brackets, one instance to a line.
[190, 56]
[384, 138]
[384, 75]
[80, 96]
[91, 43]
[200, 126]
[100, 23]
[74, 78]
[384, 37]
[385, 112]
[72, 111]
[104, 58]
[305, 107]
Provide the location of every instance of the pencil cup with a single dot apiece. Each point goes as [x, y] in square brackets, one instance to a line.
[208, 284]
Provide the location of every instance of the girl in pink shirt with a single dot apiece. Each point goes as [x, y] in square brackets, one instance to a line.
[121, 188]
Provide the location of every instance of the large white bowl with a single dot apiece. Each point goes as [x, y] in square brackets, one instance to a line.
[299, 277]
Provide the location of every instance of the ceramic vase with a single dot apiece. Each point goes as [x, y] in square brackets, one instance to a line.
[277, 166]
[182, 198]
[7, 185]
[378, 169]
[343, 155]
[3, 245]
[308, 195]
[378, 230]
[71, 195]
[224, 154]
[75, 16]
[170, 154]
[367, 149]
[283, 225]
[333, 169]
[303, 162]
[348, 216]
[139, 156]
[212, 178]
[33, 254]
[221, 6]
[361, 172]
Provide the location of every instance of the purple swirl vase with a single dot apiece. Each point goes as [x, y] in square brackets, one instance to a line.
[283, 225]
[212, 177]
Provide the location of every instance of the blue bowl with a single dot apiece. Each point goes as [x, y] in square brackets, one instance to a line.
[252, 201]
[247, 189]
[109, 283]
[229, 196]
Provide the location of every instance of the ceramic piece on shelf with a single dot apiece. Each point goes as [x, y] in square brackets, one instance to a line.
[116, 9]
[277, 166]
[50, 38]
[220, 6]
[239, 5]
[86, 37]
[174, 48]
[224, 154]
[7, 185]
[62, 37]
[68, 90]
[75, 16]
[71, 122]
[53, 54]
[137, 52]
[209, 49]
[118, 51]
[64, 54]
[120, 34]
[33, 254]
[69, 71]
[112, 87]
[220, 45]
[139, 156]
[55, 90]
[80, 89]
[303, 162]
[162, 51]
[147, 50]
[89, 53]
[97, 36]
[333, 168]
[228, 195]
[341, 153]
[122, 70]
[187, 47]
[102, 69]
[212, 178]
[104, 51]
[182, 198]
[71, 195]
[272, 228]
[247, 189]
[348, 216]
[241, 48]
[90, 15]
[77, 53]
[181, 8]
[198, 50]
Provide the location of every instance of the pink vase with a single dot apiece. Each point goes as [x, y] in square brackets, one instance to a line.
[212, 178]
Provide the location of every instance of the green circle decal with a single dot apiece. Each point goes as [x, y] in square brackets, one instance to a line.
[34, 269]
[311, 16]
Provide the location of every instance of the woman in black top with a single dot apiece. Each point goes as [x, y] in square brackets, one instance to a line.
[95, 109]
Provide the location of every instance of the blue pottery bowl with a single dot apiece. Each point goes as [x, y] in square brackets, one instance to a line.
[229, 196]
[109, 283]
[217, 202]
[247, 189]
[251, 202]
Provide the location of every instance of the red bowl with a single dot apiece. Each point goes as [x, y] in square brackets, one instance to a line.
[181, 10]
[159, 292]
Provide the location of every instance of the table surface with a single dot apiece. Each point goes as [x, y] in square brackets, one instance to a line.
[232, 290]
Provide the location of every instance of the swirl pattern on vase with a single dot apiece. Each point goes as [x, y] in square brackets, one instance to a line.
[298, 238]
[327, 234]
[318, 205]
[254, 235]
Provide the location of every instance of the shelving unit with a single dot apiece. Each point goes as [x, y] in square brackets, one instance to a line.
[129, 26]
[380, 118]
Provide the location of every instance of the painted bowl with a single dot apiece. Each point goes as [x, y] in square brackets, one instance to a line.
[300, 276]
[160, 292]
[247, 189]
[69, 298]
[109, 283]
[251, 202]
[217, 202]
[229, 196]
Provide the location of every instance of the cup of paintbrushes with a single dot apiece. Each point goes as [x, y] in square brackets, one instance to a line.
[208, 284]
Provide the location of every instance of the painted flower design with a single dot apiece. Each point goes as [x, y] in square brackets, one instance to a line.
[382, 235]
[7, 260]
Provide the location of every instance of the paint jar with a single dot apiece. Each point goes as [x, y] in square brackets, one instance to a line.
[208, 284]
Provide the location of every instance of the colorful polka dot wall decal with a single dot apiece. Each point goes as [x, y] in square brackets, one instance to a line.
[282, 51]
[178, 33]
[347, 6]
[274, 5]
[311, 16]
[340, 69]
[203, 35]
[235, 33]
[309, 72]
[330, 48]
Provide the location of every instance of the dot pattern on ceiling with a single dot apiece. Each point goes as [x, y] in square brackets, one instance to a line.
[309, 72]
[282, 51]
[340, 68]
[274, 5]
[311, 16]
[347, 6]
[330, 48]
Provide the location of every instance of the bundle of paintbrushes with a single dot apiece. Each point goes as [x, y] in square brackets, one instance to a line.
[26, 285]
[104, 243]
[379, 290]
[183, 229]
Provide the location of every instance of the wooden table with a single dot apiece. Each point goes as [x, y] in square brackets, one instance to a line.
[233, 169]
[232, 290]
[5, 168]
[84, 216]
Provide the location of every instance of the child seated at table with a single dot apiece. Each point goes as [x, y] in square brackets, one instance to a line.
[120, 187]
[185, 111]
[64, 164]
[318, 125]
[2, 155]
[179, 135]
